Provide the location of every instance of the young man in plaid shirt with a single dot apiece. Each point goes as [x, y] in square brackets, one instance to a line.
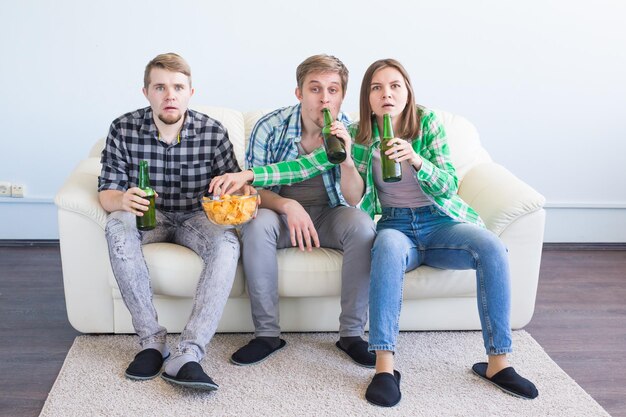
[184, 149]
[313, 213]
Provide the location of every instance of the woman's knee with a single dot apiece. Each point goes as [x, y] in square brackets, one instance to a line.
[488, 247]
[388, 238]
[390, 242]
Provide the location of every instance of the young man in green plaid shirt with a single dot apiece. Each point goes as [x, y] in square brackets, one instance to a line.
[315, 212]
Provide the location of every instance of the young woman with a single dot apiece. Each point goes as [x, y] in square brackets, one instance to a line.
[424, 222]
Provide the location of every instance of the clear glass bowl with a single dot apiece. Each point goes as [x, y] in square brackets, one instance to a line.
[230, 210]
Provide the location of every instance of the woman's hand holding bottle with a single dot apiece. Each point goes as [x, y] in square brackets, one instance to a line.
[401, 150]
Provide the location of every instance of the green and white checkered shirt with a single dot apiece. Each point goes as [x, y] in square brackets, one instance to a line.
[437, 177]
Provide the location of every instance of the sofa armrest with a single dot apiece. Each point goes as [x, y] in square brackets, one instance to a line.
[84, 251]
[79, 194]
[514, 211]
[498, 196]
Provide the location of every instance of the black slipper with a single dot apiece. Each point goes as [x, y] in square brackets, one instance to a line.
[191, 375]
[146, 365]
[508, 381]
[384, 390]
[257, 350]
[358, 353]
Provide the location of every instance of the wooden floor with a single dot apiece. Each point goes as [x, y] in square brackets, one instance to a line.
[580, 320]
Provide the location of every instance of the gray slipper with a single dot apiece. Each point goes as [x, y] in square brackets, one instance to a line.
[191, 375]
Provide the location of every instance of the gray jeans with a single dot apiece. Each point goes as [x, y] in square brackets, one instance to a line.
[343, 228]
[218, 248]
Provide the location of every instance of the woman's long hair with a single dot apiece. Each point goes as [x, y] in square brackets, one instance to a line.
[409, 120]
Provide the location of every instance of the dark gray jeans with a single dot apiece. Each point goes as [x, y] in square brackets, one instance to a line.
[344, 228]
[218, 248]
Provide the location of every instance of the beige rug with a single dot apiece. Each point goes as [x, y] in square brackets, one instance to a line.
[311, 377]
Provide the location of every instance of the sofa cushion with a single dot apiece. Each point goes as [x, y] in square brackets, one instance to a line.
[301, 274]
[318, 274]
[427, 282]
[309, 274]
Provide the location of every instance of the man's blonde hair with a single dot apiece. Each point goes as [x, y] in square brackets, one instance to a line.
[322, 63]
[171, 62]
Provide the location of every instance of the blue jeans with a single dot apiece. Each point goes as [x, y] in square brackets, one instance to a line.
[408, 238]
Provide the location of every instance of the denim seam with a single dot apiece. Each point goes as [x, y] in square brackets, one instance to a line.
[386, 347]
[481, 282]
[501, 351]
[397, 325]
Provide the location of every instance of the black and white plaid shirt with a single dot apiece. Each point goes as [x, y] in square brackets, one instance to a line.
[180, 172]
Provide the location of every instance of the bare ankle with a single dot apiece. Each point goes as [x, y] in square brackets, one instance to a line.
[384, 361]
[496, 363]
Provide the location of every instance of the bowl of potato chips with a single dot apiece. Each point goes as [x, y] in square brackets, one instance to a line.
[230, 209]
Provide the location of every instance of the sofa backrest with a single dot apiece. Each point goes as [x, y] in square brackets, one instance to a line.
[466, 150]
[465, 147]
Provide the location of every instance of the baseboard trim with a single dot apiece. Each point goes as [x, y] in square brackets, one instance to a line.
[566, 246]
[28, 242]
[588, 224]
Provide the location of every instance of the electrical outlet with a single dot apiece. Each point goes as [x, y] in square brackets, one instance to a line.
[17, 190]
[5, 189]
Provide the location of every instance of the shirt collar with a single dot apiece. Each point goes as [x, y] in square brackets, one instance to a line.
[148, 127]
[375, 132]
[294, 127]
[188, 128]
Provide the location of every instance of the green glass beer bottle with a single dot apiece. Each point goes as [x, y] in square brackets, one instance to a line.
[392, 170]
[335, 149]
[148, 220]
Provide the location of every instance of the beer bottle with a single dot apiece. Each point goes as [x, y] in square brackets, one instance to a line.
[148, 220]
[335, 149]
[392, 170]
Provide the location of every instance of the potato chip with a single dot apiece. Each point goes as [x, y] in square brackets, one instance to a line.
[232, 210]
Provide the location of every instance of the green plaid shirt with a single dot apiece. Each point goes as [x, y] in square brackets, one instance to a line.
[437, 177]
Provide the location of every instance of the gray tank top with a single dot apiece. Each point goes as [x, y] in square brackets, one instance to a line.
[311, 192]
[405, 193]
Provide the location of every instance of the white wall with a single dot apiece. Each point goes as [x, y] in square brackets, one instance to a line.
[542, 80]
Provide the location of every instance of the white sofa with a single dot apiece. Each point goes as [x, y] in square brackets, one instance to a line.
[309, 283]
